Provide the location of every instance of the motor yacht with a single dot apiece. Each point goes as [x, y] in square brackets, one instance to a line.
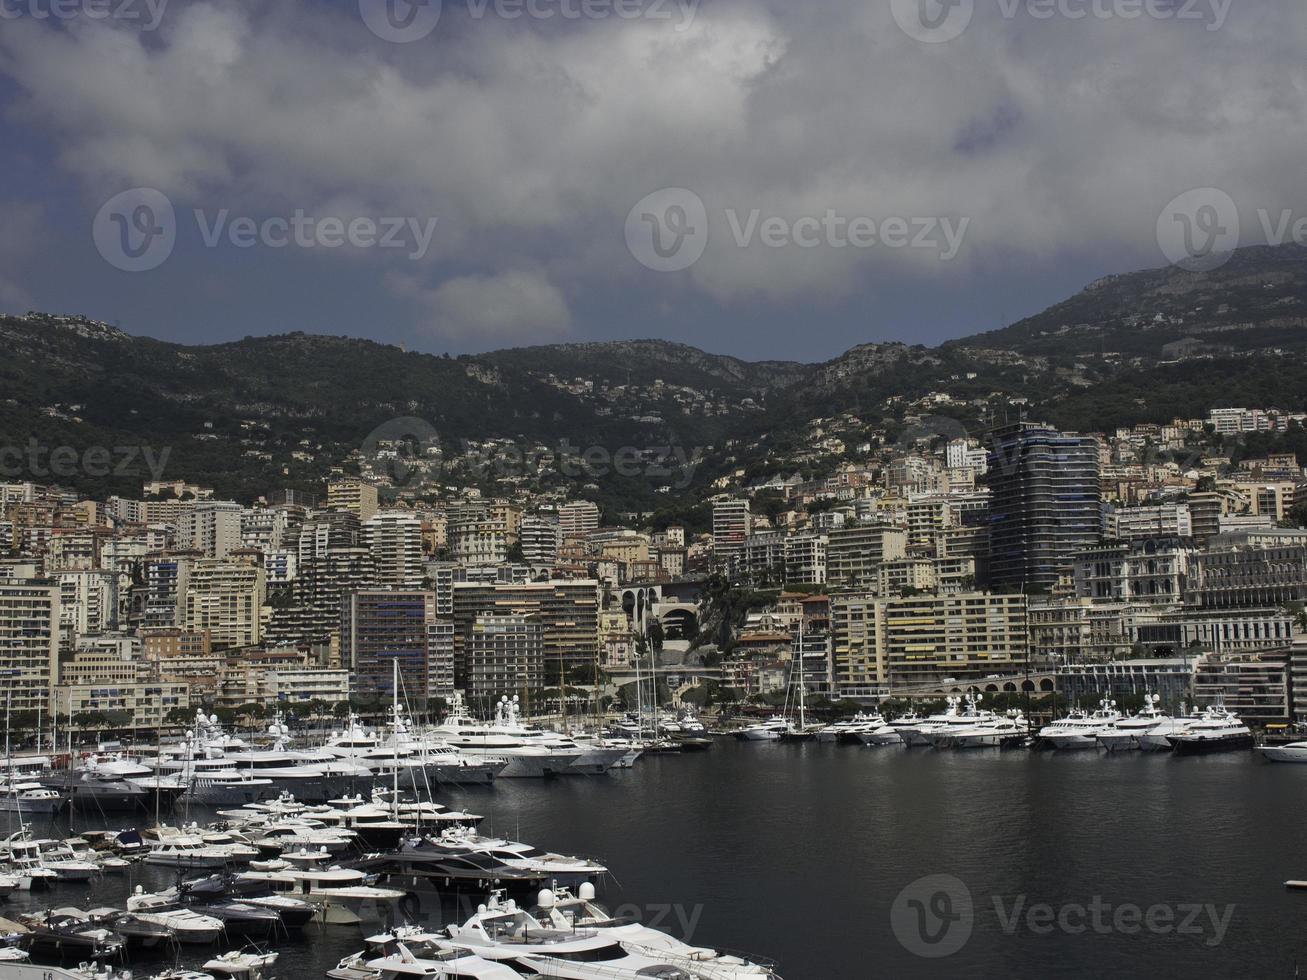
[67, 866]
[559, 908]
[1079, 730]
[1218, 730]
[164, 909]
[917, 732]
[502, 932]
[847, 730]
[499, 741]
[22, 860]
[990, 732]
[1289, 752]
[187, 849]
[340, 894]
[967, 716]
[878, 731]
[28, 797]
[1123, 734]
[771, 730]
[60, 935]
[525, 857]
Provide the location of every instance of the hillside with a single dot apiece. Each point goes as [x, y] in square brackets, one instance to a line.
[255, 415]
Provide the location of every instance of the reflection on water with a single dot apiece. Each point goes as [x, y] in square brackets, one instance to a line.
[802, 853]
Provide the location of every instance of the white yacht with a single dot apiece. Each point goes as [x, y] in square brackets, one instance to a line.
[877, 731]
[1218, 730]
[941, 735]
[484, 741]
[188, 849]
[559, 908]
[848, 730]
[30, 797]
[770, 730]
[187, 926]
[1289, 752]
[918, 731]
[502, 932]
[1124, 734]
[990, 732]
[340, 893]
[1158, 738]
[1079, 730]
[522, 857]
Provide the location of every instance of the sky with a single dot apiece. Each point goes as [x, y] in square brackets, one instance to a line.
[773, 180]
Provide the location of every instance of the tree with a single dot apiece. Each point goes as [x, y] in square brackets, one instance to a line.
[177, 716]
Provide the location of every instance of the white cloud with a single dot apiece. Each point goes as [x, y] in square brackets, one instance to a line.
[504, 308]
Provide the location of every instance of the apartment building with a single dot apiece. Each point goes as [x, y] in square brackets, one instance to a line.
[504, 655]
[394, 539]
[29, 642]
[224, 597]
[380, 628]
[354, 496]
[855, 552]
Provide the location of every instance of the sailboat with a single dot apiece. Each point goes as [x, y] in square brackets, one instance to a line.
[803, 732]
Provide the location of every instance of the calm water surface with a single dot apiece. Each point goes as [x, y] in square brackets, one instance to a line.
[802, 853]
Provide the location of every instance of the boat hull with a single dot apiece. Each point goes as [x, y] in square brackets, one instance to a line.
[1206, 746]
[1285, 753]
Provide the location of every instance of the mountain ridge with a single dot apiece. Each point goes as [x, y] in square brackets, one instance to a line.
[249, 415]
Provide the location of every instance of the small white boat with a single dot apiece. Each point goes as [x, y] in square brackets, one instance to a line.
[770, 730]
[162, 909]
[1291, 752]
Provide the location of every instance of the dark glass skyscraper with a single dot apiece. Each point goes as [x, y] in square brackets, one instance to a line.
[1045, 503]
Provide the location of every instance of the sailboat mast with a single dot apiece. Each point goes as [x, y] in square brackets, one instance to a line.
[803, 716]
[394, 742]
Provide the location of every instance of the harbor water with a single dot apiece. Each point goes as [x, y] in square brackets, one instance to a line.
[847, 861]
